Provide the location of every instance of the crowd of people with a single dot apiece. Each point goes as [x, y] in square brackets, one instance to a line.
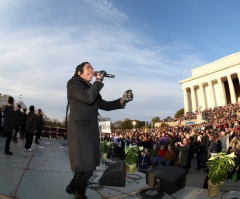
[177, 145]
[14, 121]
[169, 146]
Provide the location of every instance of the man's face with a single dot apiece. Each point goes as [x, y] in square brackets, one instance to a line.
[169, 148]
[87, 73]
[222, 133]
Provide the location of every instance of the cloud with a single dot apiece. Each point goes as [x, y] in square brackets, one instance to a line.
[108, 11]
[38, 60]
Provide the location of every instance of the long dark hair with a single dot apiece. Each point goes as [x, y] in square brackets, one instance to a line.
[79, 68]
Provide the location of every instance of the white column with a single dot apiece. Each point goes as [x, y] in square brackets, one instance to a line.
[211, 97]
[193, 97]
[202, 95]
[222, 93]
[186, 101]
[232, 90]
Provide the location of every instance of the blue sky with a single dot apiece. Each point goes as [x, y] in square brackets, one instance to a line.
[148, 45]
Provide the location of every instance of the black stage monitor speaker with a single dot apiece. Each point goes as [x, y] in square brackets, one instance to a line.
[171, 179]
[114, 175]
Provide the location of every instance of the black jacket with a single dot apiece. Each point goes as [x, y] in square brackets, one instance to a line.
[24, 118]
[9, 116]
[40, 121]
[18, 115]
[32, 119]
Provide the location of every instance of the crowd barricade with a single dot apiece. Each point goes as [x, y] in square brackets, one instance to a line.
[53, 132]
[61, 133]
[45, 132]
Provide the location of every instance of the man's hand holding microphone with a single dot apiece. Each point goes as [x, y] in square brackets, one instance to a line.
[100, 75]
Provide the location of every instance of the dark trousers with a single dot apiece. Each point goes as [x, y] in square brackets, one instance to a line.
[1, 127]
[116, 151]
[121, 153]
[8, 140]
[205, 183]
[199, 159]
[29, 139]
[23, 129]
[16, 127]
[39, 132]
[79, 183]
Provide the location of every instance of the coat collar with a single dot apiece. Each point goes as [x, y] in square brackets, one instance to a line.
[82, 80]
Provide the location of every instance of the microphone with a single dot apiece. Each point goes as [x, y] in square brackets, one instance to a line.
[107, 75]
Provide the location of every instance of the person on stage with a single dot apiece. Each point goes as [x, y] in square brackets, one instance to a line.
[84, 100]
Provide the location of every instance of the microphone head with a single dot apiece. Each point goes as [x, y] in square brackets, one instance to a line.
[110, 76]
[106, 75]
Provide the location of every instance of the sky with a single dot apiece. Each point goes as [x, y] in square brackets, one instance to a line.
[148, 45]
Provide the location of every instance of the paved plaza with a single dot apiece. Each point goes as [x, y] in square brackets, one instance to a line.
[45, 172]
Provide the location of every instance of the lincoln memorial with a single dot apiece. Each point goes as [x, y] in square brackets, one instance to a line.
[213, 84]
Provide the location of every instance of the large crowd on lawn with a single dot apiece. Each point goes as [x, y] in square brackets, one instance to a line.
[177, 145]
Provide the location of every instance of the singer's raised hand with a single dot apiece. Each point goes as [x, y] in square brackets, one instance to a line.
[100, 75]
[127, 96]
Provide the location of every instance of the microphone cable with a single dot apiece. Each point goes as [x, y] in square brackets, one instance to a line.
[146, 193]
[95, 186]
[134, 179]
[167, 193]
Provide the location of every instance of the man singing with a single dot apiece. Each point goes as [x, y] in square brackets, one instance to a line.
[83, 136]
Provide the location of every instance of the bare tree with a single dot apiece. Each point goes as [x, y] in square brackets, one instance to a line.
[21, 103]
[3, 101]
[56, 123]
[47, 121]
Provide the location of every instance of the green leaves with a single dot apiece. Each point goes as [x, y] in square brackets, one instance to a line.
[219, 165]
[105, 147]
[132, 153]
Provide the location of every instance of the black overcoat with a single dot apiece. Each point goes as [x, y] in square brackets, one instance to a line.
[83, 134]
[32, 120]
[9, 116]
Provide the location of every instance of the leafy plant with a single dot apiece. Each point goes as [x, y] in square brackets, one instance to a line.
[219, 165]
[105, 147]
[132, 153]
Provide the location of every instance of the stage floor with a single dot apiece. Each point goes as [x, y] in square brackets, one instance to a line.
[45, 173]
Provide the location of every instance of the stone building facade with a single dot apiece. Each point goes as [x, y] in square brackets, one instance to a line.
[213, 84]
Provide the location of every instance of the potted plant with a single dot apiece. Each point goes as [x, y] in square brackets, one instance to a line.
[218, 167]
[105, 147]
[132, 154]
